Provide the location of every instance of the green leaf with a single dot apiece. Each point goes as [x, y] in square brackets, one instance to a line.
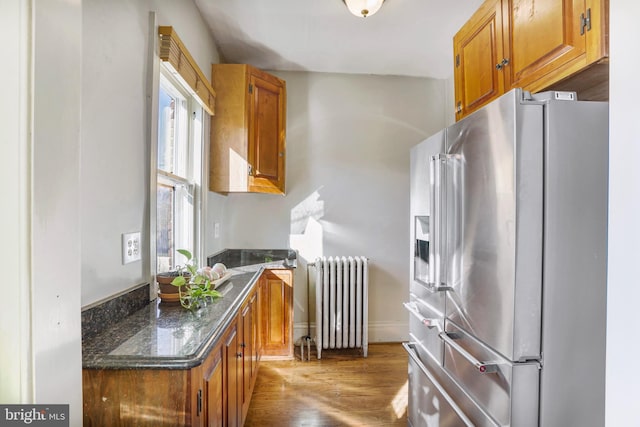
[186, 253]
[179, 281]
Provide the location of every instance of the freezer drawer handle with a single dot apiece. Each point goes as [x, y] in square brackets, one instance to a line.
[483, 367]
[413, 309]
[411, 349]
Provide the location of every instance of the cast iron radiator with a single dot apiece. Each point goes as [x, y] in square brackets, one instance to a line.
[341, 303]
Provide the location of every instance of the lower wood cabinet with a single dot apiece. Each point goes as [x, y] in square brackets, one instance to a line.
[232, 382]
[277, 314]
[249, 349]
[212, 405]
[139, 397]
[214, 393]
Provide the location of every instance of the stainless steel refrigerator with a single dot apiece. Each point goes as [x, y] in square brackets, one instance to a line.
[508, 266]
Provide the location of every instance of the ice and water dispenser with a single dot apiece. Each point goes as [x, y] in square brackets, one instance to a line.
[421, 250]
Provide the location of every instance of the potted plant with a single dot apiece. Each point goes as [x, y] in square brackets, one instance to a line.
[166, 291]
[193, 283]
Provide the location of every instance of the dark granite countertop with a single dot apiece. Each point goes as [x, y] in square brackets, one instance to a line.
[163, 336]
[247, 257]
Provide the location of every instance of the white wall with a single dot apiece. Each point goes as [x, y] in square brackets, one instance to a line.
[623, 323]
[115, 151]
[40, 338]
[348, 142]
[15, 223]
[49, 294]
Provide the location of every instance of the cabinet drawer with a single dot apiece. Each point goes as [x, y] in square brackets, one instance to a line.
[430, 405]
[506, 391]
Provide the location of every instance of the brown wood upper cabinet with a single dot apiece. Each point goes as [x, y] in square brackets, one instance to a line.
[248, 131]
[477, 49]
[533, 44]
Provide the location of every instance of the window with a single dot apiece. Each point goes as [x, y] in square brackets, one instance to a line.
[179, 172]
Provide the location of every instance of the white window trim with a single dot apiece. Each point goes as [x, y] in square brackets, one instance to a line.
[194, 111]
[200, 201]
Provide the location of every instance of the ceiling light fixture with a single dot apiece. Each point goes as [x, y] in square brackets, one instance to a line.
[363, 8]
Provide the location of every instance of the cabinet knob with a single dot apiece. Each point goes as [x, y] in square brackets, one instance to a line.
[243, 345]
[502, 64]
[238, 355]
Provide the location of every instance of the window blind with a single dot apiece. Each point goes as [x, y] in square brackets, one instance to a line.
[174, 52]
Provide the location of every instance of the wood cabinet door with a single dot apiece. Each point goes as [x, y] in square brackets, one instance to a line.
[547, 37]
[228, 169]
[247, 353]
[248, 131]
[232, 389]
[598, 34]
[148, 397]
[213, 389]
[255, 327]
[277, 321]
[478, 55]
[266, 133]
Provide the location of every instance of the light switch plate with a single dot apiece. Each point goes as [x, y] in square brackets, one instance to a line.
[131, 250]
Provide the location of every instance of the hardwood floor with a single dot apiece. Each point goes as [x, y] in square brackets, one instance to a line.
[341, 389]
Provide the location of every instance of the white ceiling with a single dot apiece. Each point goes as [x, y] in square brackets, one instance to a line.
[406, 37]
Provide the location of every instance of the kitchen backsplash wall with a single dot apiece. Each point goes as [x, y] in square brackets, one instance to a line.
[104, 314]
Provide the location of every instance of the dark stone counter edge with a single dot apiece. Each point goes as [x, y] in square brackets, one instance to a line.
[185, 362]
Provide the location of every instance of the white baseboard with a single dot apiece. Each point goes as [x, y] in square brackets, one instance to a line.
[378, 331]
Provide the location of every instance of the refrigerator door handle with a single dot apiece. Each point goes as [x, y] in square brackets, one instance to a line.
[411, 349]
[482, 367]
[413, 309]
[437, 234]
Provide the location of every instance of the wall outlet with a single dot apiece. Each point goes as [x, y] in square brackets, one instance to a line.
[216, 230]
[131, 250]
